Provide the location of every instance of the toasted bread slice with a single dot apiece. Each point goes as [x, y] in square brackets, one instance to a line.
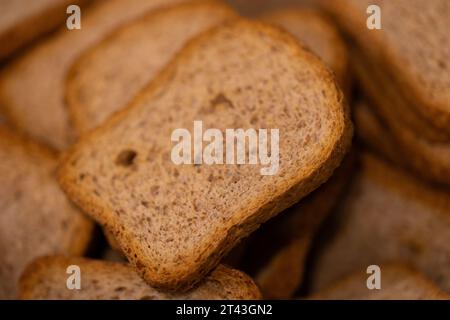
[25, 20]
[388, 216]
[36, 218]
[46, 278]
[397, 283]
[32, 89]
[175, 222]
[104, 80]
[318, 34]
[428, 159]
[412, 52]
[276, 252]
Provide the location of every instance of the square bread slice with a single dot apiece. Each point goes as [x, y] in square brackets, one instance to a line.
[319, 34]
[388, 216]
[103, 80]
[36, 218]
[412, 51]
[22, 21]
[32, 88]
[429, 159]
[398, 282]
[175, 222]
[46, 278]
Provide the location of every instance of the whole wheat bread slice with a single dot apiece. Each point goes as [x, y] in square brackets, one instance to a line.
[276, 253]
[388, 216]
[25, 20]
[46, 278]
[32, 89]
[412, 50]
[398, 282]
[36, 218]
[175, 222]
[428, 159]
[317, 33]
[103, 80]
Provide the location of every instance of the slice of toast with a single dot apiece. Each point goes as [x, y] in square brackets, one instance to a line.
[411, 49]
[25, 20]
[428, 159]
[318, 34]
[46, 278]
[32, 88]
[276, 253]
[36, 218]
[103, 80]
[175, 222]
[388, 216]
[397, 283]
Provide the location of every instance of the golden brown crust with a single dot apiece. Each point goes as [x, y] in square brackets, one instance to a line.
[431, 110]
[320, 34]
[261, 209]
[47, 272]
[75, 105]
[427, 159]
[26, 29]
[30, 72]
[282, 272]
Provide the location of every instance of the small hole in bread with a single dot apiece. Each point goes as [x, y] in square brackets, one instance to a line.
[126, 158]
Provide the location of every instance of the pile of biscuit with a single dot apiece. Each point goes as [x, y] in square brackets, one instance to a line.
[93, 205]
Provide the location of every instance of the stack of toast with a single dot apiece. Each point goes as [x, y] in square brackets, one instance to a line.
[87, 159]
[404, 73]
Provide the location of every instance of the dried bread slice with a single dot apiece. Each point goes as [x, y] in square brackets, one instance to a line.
[412, 51]
[36, 218]
[398, 282]
[388, 216]
[46, 278]
[319, 34]
[276, 253]
[428, 159]
[175, 222]
[32, 88]
[103, 80]
[24, 20]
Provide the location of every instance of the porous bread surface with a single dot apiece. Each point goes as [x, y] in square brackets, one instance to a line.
[397, 283]
[105, 79]
[317, 33]
[428, 159]
[388, 216]
[36, 218]
[24, 20]
[174, 223]
[32, 88]
[277, 251]
[412, 47]
[46, 278]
